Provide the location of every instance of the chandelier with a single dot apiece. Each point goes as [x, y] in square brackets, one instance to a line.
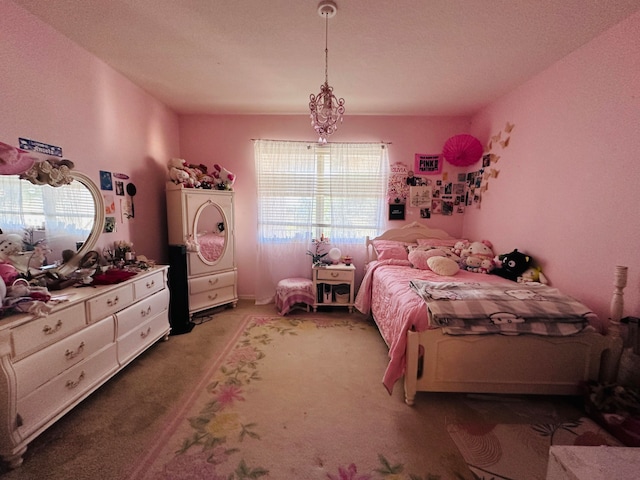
[326, 109]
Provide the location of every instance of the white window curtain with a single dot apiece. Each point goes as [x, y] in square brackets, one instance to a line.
[306, 190]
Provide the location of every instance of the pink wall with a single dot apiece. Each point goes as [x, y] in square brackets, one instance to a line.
[57, 93]
[227, 140]
[567, 192]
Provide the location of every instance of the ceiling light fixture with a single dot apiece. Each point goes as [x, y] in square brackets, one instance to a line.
[326, 109]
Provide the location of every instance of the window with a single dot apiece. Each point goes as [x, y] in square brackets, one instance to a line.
[306, 190]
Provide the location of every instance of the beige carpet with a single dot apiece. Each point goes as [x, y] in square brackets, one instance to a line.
[310, 405]
[520, 451]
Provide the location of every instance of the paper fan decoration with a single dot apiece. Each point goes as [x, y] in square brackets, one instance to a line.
[462, 150]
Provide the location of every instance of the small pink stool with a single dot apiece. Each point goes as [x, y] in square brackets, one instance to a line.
[292, 292]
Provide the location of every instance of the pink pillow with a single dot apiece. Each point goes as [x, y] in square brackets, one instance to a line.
[418, 259]
[390, 250]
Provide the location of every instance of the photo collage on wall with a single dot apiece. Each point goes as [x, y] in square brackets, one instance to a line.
[116, 199]
[433, 195]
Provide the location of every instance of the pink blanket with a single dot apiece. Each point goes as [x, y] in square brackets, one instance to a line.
[396, 309]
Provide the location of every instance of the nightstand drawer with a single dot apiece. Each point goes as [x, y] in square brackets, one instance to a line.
[335, 275]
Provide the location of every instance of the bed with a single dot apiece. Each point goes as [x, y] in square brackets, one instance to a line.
[431, 360]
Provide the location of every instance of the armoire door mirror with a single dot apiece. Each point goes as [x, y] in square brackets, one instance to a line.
[58, 225]
[211, 232]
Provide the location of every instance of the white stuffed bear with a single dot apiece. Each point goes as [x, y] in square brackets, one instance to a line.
[180, 173]
[224, 178]
[10, 244]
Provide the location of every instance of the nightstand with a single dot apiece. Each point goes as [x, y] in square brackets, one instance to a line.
[334, 286]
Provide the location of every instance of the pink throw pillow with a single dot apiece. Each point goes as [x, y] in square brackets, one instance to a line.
[390, 250]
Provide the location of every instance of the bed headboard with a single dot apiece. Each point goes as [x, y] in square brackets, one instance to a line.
[408, 233]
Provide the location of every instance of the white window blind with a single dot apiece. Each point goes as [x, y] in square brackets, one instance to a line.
[306, 190]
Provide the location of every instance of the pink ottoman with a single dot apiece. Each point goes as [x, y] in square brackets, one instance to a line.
[292, 292]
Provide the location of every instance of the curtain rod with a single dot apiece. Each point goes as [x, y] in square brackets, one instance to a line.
[321, 144]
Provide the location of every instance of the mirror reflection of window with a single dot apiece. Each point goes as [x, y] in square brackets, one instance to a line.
[61, 217]
[211, 232]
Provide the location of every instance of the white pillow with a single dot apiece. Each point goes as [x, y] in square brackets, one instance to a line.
[443, 266]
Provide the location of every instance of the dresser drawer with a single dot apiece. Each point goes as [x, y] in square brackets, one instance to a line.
[110, 302]
[44, 365]
[50, 399]
[211, 282]
[335, 275]
[138, 313]
[148, 285]
[34, 335]
[142, 336]
[212, 298]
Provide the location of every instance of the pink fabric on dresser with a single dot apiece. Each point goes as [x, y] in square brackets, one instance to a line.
[385, 292]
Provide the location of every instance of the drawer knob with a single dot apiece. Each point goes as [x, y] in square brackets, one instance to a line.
[214, 281]
[151, 284]
[71, 384]
[145, 334]
[71, 354]
[113, 302]
[335, 274]
[48, 330]
[213, 297]
[144, 313]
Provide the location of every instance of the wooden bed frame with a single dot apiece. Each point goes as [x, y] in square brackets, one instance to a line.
[524, 364]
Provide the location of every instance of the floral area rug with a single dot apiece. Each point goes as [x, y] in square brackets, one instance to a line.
[301, 398]
[520, 451]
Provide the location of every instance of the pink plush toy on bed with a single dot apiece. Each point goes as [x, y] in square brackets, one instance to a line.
[478, 257]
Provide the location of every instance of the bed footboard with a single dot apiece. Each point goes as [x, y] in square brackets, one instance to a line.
[523, 364]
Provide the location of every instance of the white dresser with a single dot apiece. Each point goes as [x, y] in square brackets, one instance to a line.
[49, 364]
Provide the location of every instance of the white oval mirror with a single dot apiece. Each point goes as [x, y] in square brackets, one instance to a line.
[211, 233]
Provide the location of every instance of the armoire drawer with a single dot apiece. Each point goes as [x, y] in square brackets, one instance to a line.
[39, 368]
[211, 282]
[141, 336]
[34, 335]
[138, 313]
[149, 285]
[110, 302]
[53, 397]
[212, 298]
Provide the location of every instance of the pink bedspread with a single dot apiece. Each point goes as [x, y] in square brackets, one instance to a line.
[396, 309]
[211, 245]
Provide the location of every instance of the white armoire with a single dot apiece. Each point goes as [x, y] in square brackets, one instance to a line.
[202, 257]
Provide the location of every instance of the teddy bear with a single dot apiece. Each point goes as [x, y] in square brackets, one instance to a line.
[179, 173]
[477, 257]
[512, 265]
[459, 246]
[224, 179]
[10, 244]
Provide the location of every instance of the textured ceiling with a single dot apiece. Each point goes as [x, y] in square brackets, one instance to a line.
[400, 57]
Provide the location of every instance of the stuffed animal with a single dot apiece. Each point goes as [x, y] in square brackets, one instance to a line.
[459, 246]
[179, 173]
[224, 178]
[533, 274]
[477, 257]
[512, 265]
[10, 244]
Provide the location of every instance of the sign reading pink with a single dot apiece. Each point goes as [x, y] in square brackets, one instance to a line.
[427, 164]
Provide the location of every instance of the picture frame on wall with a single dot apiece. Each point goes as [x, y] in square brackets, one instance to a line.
[396, 211]
[427, 164]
